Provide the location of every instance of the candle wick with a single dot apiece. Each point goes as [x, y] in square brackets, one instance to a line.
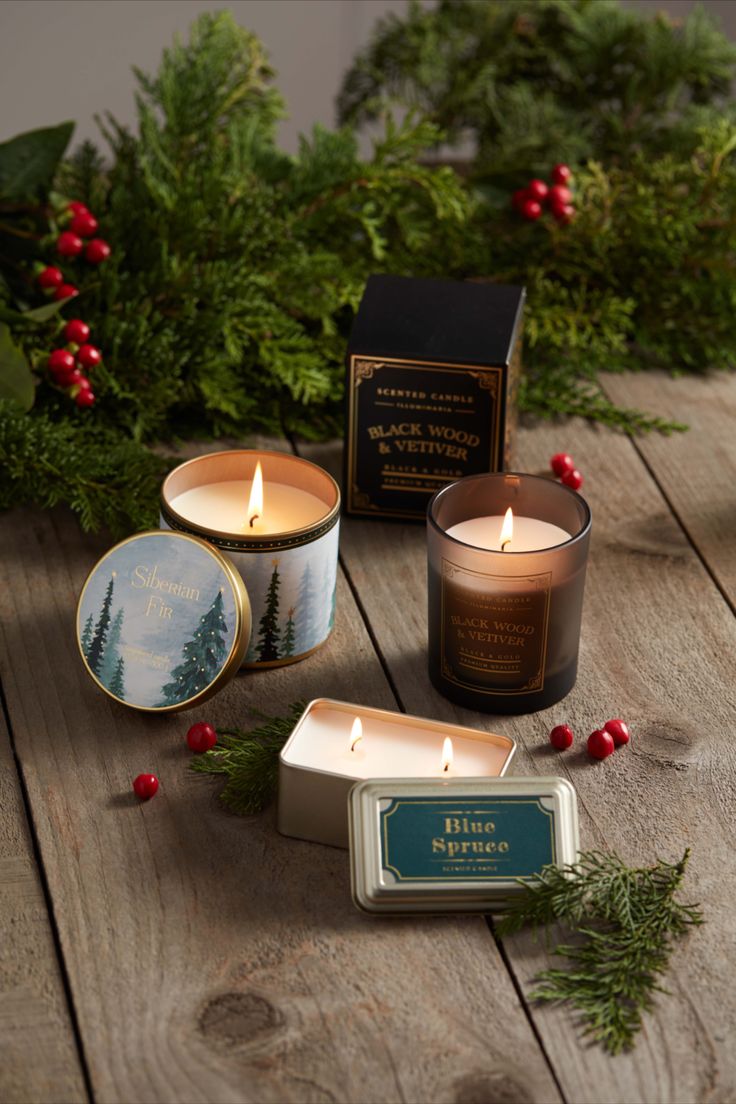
[253, 519]
[504, 543]
[446, 768]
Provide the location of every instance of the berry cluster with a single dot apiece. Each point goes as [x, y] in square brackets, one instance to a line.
[563, 465]
[602, 742]
[556, 197]
[200, 738]
[67, 366]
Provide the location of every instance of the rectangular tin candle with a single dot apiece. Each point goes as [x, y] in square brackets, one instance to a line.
[458, 845]
[321, 761]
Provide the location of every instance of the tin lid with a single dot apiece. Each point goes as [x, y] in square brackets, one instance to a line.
[163, 621]
[459, 845]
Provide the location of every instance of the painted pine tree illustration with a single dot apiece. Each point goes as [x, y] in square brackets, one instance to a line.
[99, 639]
[87, 635]
[109, 664]
[269, 634]
[201, 658]
[289, 634]
[116, 685]
[305, 613]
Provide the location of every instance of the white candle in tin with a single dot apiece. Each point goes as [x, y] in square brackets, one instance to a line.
[228, 507]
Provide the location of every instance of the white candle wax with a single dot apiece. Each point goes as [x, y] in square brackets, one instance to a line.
[224, 507]
[529, 534]
[389, 749]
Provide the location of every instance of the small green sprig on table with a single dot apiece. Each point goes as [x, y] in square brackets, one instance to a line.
[624, 922]
[250, 760]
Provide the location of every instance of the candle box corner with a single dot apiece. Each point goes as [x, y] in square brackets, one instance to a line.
[433, 370]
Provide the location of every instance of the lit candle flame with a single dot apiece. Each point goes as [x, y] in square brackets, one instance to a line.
[255, 502]
[507, 529]
[447, 755]
[356, 733]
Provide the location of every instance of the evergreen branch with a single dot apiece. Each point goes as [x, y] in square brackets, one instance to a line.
[624, 921]
[250, 760]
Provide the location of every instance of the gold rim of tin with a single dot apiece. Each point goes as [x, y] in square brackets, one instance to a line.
[241, 636]
[290, 538]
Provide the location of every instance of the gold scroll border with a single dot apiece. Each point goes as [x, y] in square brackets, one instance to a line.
[363, 367]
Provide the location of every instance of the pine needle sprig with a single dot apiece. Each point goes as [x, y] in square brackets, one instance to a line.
[250, 760]
[624, 921]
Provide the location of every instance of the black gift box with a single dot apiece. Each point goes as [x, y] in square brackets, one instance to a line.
[432, 374]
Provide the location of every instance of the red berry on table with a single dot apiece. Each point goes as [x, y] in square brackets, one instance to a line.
[561, 462]
[66, 291]
[201, 737]
[97, 251]
[537, 189]
[61, 360]
[561, 174]
[561, 737]
[89, 356]
[600, 744]
[50, 277]
[531, 210]
[518, 198]
[558, 193]
[618, 730]
[573, 479]
[77, 207]
[84, 224]
[68, 244]
[145, 786]
[76, 330]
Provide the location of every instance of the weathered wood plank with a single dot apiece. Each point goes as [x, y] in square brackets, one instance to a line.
[697, 469]
[658, 649]
[211, 959]
[39, 1061]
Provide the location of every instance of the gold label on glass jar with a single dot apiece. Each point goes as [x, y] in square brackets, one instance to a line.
[414, 426]
[494, 629]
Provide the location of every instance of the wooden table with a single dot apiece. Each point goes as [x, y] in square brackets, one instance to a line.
[173, 952]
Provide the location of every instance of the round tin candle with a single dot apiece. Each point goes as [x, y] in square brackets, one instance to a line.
[284, 544]
[504, 604]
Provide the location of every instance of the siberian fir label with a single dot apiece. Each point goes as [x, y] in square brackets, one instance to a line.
[460, 838]
[415, 426]
[494, 630]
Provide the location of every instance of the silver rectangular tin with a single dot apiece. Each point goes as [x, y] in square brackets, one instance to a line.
[458, 845]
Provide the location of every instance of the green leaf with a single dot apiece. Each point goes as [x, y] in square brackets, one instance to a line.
[16, 381]
[29, 161]
[46, 311]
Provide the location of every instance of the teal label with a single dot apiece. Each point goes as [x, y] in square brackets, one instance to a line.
[464, 838]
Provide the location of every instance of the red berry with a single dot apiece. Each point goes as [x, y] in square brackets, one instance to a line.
[561, 174]
[68, 379]
[77, 207]
[61, 360]
[84, 224]
[561, 737]
[145, 786]
[563, 212]
[68, 244]
[537, 189]
[201, 737]
[50, 277]
[518, 198]
[77, 331]
[85, 397]
[573, 479]
[531, 210]
[558, 193]
[89, 356]
[619, 730]
[66, 291]
[600, 744]
[561, 462]
[97, 251]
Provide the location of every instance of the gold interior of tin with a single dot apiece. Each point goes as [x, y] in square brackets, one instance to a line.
[240, 464]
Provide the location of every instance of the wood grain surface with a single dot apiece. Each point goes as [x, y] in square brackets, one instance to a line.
[210, 958]
[657, 648]
[39, 1062]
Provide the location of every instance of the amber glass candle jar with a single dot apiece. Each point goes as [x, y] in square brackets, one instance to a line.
[505, 603]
